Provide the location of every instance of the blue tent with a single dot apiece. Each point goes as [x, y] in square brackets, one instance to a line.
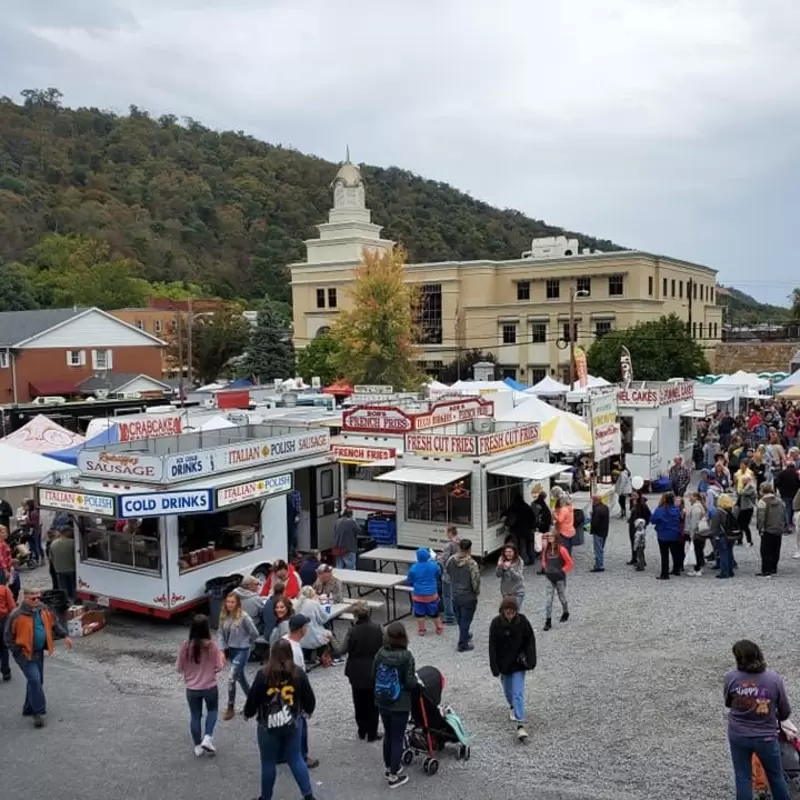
[70, 456]
[239, 383]
[515, 385]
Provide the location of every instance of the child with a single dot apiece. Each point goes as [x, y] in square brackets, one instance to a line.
[639, 541]
[557, 563]
[423, 578]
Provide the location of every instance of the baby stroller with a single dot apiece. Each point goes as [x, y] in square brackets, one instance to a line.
[432, 725]
[19, 544]
[790, 760]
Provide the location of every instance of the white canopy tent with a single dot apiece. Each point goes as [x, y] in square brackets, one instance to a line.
[749, 380]
[787, 383]
[548, 387]
[564, 432]
[42, 435]
[20, 471]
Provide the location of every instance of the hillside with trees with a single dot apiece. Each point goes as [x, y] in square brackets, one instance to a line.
[172, 202]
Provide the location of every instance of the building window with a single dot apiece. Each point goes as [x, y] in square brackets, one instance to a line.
[157, 325]
[508, 372]
[716, 329]
[500, 494]
[601, 328]
[710, 294]
[509, 334]
[4, 360]
[700, 330]
[101, 359]
[552, 289]
[673, 287]
[331, 298]
[694, 330]
[429, 313]
[538, 332]
[76, 358]
[140, 324]
[441, 505]
[664, 288]
[320, 298]
[574, 332]
[584, 285]
[680, 289]
[650, 282]
[616, 285]
[694, 290]
[537, 374]
[524, 290]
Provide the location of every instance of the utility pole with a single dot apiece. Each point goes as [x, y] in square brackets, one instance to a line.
[179, 321]
[456, 326]
[572, 340]
[189, 322]
[690, 286]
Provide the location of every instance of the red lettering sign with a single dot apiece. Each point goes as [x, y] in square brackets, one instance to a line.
[154, 427]
[505, 440]
[373, 419]
[445, 444]
[451, 412]
[344, 452]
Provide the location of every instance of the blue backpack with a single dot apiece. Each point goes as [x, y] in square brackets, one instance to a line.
[387, 684]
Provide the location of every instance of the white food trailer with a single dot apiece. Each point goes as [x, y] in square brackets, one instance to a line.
[155, 519]
[466, 480]
[659, 422]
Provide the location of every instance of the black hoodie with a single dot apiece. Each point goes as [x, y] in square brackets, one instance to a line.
[512, 645]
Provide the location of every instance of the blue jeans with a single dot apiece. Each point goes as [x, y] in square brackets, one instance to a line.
[238, 657]
[520, 596]
[599, 550]
[394, 728]
[33, 670]
[196, 698]
[276, 746]
[725, 557]
[514, 690]
[447, 599]
[35, 543]
[302, 723]
[347, 561]
[769, 754]
[464, 610]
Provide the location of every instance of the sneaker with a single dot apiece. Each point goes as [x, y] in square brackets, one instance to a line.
[7, 676]
[749, 544]
[597, 569]
[548, 624]
[511, 715]
[337, 661]
[312, 763]
[388, 774]
[397, 780]
[376, 738]
[467, 647]
[199, 750]
[797, 554]
[564, 617]
[698, 573]
[522, 734]
[38, 721]
[208, 745]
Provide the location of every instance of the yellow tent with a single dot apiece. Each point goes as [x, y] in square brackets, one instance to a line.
[792, 393]
[567, 433]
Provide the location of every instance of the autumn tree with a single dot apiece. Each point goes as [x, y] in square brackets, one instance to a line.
[660, 350]
[375, 339]
[317, 359]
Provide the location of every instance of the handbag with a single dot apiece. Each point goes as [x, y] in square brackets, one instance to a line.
[690, 559]
[537, 541]
[703, 527]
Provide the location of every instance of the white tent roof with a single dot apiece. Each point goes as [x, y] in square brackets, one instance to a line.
[548, 386]
[532, 410]
[217, 423]
[742, 378]
[563, 431]
[474, 387]
[21, 468]
[42, 435]
[786, 383]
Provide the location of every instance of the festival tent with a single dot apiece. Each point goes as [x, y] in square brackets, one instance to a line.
[217, 423]
[476, 387]
[515, 385]
[548, 387]
[564, 432]
[42, 435]
[786, 383]
[742, 378]
[339, 389]
[792, 393]
[21, 468]
[109, 435]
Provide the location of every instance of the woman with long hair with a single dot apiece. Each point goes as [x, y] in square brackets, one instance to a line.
[638, 510]
[280, 694]
[283, 610]
[199, 662]
[236, 633]
[758, 703]
[697, 529]
[557, 562]
[511, 572]
[747, 500]
[512, 652]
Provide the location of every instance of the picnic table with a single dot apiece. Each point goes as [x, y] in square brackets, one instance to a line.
[384, 583]
[384, 556]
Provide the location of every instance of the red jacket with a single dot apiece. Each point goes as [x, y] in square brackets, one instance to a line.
[7, 604]
[292, 583]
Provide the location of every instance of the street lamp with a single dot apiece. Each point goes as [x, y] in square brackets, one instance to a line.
[572, 295]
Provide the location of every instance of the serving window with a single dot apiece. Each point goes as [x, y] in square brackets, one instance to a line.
[688, 432]
[365, 472]
[206, 538]
[500, 491]
[132, 543]
[449, 505]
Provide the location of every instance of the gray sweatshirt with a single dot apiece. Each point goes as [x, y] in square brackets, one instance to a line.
[748, 497]
[465, 577]
[448, 551]
[238, 635]
[511, 578]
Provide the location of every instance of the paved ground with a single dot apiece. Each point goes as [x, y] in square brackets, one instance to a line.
[625, 703]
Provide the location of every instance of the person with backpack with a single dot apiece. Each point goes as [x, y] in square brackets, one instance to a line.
[280, 696]
[395, 678]
[199, 662]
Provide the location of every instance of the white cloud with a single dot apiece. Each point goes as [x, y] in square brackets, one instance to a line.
[652, 122]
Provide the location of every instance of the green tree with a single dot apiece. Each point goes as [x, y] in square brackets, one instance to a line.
[452, 372]
[216, 339]
[795, 310]
[375, 340]
[659, 350]
[16, 292]
[318, 359]
[270, 353]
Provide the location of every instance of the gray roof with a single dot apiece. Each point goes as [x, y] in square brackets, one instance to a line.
[17, 326]
[112, 381]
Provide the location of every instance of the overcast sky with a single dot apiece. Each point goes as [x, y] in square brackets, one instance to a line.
[666, 125]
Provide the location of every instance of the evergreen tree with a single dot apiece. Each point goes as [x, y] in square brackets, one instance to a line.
[271, 353]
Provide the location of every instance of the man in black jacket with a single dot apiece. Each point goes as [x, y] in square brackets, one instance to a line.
[598, 527]
[787, 485]
[361, 643]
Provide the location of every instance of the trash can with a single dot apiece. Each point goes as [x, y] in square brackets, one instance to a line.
[216, 590]
[58, 602]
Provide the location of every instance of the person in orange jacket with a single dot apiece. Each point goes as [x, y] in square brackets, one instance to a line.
[28, 634]
[7, 605]
[557, 563]
[287, 575]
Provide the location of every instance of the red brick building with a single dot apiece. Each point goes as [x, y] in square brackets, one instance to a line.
[51, 351]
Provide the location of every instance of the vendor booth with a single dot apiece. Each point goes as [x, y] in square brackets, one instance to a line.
[658, 422]
[466, 480]
[156, 518]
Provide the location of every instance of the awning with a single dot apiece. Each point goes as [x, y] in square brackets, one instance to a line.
[427, 477]
[52, 388]
[722, 398]
[694, 413]
[529, 470]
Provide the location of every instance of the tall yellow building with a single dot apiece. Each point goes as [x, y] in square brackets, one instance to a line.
[519, 310]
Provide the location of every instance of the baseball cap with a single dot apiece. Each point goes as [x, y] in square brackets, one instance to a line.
[297, 622]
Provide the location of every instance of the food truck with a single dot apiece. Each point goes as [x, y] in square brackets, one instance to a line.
[659, 422]
[467, 480]
[156, 517]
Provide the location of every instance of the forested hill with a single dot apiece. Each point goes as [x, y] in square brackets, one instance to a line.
[180, 202]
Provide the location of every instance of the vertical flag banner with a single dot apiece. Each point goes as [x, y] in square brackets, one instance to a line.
[626, 368]
[581, 368]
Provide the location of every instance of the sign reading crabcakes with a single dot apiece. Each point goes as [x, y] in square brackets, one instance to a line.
[82, 502]
[253, 490]
[108, 464]
[155, 426]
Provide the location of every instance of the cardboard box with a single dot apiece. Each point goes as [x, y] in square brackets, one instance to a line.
[88, 623]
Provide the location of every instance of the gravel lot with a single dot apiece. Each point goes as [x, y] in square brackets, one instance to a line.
[625, 703]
